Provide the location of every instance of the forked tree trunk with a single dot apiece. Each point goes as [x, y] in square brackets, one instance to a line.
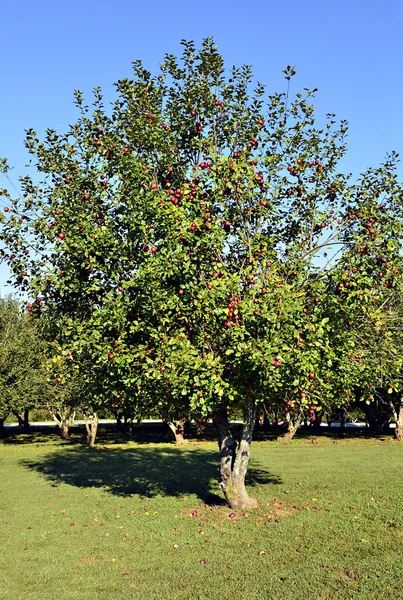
[234, 460]
[23, 418]
[64, 420]
[399, 422]
[91, 425]
[178, 429]
[293, 424]
[20, 418]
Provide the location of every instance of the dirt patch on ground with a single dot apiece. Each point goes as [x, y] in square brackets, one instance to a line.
[269, 512]
[280, 509]
[349, 575]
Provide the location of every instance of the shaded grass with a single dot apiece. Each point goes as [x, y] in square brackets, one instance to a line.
[157, 432]
[146, 521]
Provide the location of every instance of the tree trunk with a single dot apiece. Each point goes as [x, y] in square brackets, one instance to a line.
[26, 419]
[342, 420]
[399, 422]
[91, 425]
[178, 429]
[64, 431]
[316, 424]
[2, 419]
[378, 414]
[292, 428]
[64, 420]
[234, 461]
[20, 418]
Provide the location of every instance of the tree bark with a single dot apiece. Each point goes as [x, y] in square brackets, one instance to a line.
[91, 425]
[23, 418]
[64, 420]
[292, 428]
[378, 413]
[234, 460]
[26, 419]
[342, 420]
[20, 418]
[316, 424]
[399, 422]
[178, 429]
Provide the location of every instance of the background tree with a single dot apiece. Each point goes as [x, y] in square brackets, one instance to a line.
[23, 380]
[66, 391]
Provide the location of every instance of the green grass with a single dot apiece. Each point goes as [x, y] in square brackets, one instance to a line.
[138, 520]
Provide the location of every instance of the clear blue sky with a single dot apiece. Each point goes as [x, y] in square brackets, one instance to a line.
[351, 50]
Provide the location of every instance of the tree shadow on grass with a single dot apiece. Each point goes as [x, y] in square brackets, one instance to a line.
[142, 471]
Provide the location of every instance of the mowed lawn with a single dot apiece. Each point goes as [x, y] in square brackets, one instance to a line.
[145, 521]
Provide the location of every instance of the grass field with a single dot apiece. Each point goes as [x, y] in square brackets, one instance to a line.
[144, 520]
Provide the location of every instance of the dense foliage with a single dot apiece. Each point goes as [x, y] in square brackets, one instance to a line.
[23, 377]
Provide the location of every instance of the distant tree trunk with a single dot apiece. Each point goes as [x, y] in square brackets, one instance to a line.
[26, 419]
[127, 424]
[91, 426]
[399, 422]
[342, 419]
[316, 424]
[2, 420]
[377, 414]
[64, 420]
[293, 423]
[266, 420]
[23, 418]
[20, 418]
[187, 427]
[234, 460]
[177, 427]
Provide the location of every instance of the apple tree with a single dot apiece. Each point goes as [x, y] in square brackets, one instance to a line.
[23, 380]
[201, 247]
